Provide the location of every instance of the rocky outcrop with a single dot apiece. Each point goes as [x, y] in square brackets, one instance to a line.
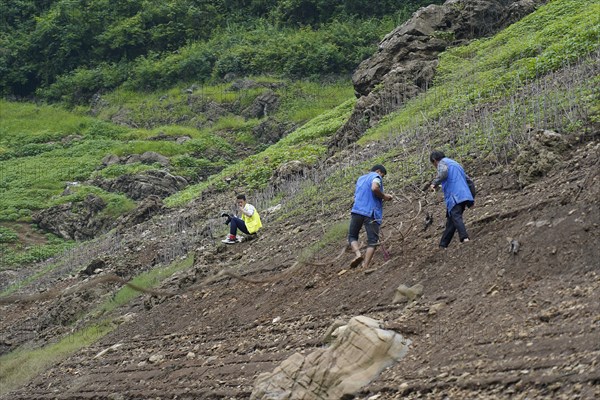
[142, 185]
[270, 131]
[406, 60]
[75, 220]
[263, 106]
[361, 351]
[148, 157]
[146, 209]
[539, 155]
[288, 171]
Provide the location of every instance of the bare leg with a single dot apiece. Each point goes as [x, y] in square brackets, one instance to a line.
[355, 248]
[369, 255]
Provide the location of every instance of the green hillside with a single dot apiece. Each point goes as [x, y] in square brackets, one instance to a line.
[68, 50]
[44, 146]
[488, 98]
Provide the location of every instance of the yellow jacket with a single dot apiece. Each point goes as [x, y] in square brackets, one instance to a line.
[252, 222]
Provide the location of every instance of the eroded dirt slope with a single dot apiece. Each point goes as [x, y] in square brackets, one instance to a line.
[490, 324]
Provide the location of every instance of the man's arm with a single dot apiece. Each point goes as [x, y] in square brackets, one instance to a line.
[248, 210]
[376, 189]
[442, 174]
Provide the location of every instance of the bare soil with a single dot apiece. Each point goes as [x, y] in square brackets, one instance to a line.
[491, 324]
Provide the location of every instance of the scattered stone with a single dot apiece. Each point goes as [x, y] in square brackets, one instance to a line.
[404, 293]
[111, 348]
[514, 246]
[434, 309]
[329, 333]
[156, 358]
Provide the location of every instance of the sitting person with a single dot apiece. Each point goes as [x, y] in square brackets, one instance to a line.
[248, 224]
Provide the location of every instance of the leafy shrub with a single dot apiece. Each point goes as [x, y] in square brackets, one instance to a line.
[8, 235]
[116, 204]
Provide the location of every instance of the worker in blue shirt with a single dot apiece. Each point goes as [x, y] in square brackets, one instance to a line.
[457, 195]
[367, 211]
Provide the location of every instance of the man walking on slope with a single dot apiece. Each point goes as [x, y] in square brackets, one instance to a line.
[367, 211]
[248, 224]
[457, 195]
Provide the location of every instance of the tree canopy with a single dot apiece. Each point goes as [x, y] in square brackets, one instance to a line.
[53, 42]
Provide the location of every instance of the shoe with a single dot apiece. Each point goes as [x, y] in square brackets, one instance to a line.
[465, 240]
[230, 239]
[356, 262]
[239, 239]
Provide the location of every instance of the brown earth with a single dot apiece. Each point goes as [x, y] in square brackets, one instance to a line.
[491, 324]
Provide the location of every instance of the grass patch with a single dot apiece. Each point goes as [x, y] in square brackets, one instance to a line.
[146, 280]
[557, 34]
[20, 366]
[19, 255]
[335, 233]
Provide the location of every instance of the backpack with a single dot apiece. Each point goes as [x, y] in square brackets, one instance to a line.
[471, 186]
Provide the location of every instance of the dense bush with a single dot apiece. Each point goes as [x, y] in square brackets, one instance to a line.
[68, 50]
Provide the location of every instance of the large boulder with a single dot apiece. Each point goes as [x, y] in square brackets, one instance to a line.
[263, 106]
[75, 220]
[407, 58]
[360, 352]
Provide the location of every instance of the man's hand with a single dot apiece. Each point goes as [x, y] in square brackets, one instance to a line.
[388, 197]
[433, 187]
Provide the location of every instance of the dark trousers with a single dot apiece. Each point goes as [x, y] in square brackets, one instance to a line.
[237, 223]
[454, 222]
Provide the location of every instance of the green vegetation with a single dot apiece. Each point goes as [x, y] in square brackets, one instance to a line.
[40, 154]
[306, 144]
[21, 365]
[7, 235]
[19, 254]
[559, 33]
[69, 50]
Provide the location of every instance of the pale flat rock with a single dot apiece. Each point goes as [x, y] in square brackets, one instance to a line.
[359, 353]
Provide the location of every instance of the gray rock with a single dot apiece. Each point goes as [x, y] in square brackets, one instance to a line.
[405, 293]
[154, 182]
[151, 157]
[75, 220]
[407, 58]
[263, 106]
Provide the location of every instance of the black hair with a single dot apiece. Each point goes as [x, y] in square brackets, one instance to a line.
[436, 155]
[379, 167]
[241, 197]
